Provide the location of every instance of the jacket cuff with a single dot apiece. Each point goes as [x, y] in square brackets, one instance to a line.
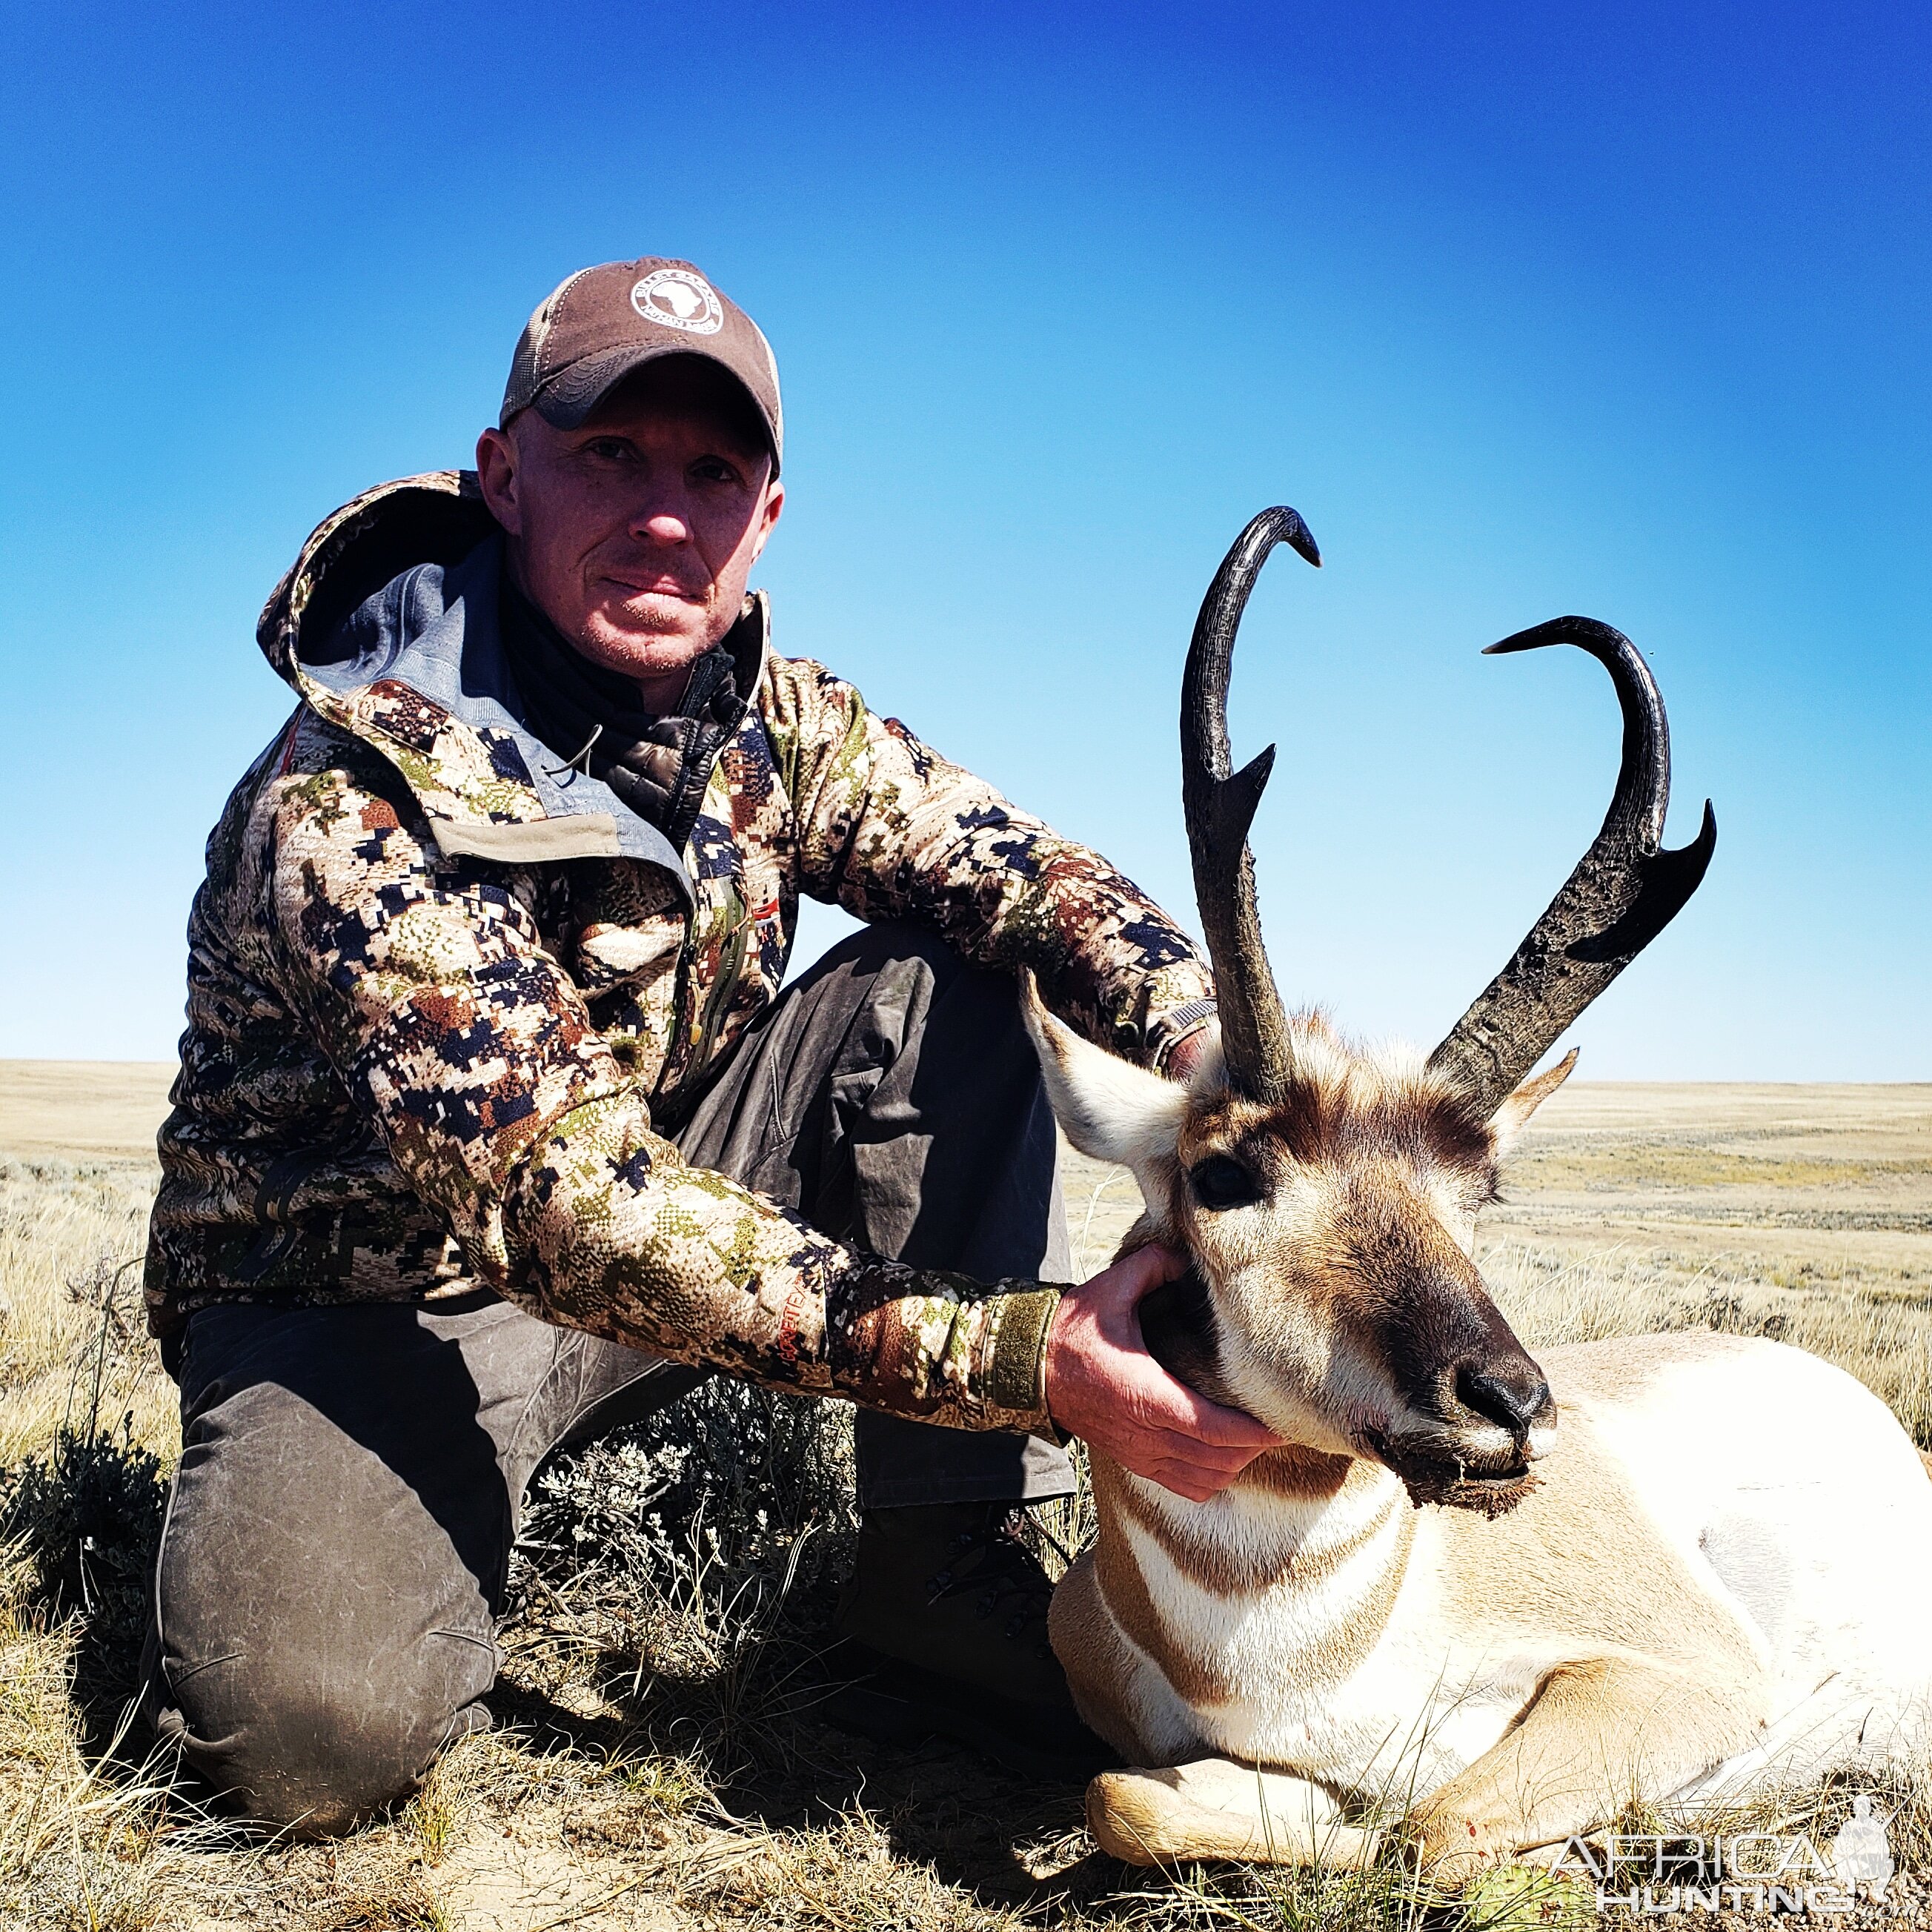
[1015, 1389]
[1171, 1028]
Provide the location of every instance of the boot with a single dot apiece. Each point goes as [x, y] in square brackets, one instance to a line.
[943, 1630]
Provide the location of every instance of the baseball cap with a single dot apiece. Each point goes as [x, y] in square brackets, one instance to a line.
[591, 331]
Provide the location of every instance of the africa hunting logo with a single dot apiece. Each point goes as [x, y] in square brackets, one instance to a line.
[679, 298]
[1746, 1871]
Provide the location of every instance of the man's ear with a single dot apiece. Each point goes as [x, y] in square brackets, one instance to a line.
[1108, 1108]
[768, 518]
[1513, 1116]
[496, 475]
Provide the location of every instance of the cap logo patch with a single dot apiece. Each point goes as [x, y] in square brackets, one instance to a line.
[677, 298]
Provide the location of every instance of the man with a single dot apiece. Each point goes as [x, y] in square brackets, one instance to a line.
[492, 1130]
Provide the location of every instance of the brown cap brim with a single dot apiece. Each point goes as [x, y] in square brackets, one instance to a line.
[569, 398]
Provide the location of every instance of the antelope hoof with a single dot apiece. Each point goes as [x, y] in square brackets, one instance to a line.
[1455, 1858]
[1189, 1814]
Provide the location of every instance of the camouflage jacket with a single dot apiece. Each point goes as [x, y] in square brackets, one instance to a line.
[438, 988]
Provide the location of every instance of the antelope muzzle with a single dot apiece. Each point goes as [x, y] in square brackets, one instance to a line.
[1474, 1411]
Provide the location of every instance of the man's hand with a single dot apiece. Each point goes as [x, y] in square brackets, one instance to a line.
[1102, 1385]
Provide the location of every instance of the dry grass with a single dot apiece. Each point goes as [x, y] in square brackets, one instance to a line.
[659, 1762]
[68, 1234]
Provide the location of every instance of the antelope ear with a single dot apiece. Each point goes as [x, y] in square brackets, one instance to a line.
[1109, 1109]
[1513, 1116]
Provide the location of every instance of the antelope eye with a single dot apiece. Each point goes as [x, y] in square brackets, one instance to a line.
[1220, 1181]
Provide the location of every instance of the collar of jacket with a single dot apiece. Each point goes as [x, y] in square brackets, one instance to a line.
[387, 625]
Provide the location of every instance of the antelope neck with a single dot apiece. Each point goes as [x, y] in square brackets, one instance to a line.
[1287, 1531]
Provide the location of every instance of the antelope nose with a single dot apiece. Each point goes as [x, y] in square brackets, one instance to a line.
[1512, 1395]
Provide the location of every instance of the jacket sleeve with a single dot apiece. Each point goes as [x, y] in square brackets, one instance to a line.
[426, 983]
[889, 830]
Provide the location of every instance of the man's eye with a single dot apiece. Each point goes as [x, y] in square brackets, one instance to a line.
[1221, 1181]
[713, 470]
[609, 449]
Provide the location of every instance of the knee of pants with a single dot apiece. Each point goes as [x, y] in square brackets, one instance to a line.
[323, 1589]
[296, 1739]
[968, 1008]
[891, 949]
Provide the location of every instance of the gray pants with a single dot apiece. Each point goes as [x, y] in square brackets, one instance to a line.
[338, 1542]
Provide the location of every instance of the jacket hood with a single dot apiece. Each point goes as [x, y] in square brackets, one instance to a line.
[354, 551]
[388, 625]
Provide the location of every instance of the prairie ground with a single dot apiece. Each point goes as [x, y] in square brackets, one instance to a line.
[658, 1761]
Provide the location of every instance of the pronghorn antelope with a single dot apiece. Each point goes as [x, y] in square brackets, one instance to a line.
[1659, 1566]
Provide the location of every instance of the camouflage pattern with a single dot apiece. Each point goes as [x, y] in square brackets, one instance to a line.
[411, 1068]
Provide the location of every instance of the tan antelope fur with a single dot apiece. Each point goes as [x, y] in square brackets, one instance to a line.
[1504, 1597]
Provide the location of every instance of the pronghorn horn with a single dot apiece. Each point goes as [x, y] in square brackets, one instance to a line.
[1625, 890]
[1220, 808]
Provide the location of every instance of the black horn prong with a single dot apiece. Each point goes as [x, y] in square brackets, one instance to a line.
[1624, 891]
[1665, 881]
[1237, 798]
[1220, 808]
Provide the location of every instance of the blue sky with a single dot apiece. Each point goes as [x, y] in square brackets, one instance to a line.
[1529, 309]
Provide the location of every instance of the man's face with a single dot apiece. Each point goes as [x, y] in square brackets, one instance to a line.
[634, 533]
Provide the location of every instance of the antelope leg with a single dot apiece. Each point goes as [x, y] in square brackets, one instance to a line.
[1600, 1732]
[1215, 1808]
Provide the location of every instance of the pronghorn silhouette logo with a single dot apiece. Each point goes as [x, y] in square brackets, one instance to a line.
[1861, 1853]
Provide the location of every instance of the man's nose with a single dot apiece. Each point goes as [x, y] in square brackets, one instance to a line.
[661, 526]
